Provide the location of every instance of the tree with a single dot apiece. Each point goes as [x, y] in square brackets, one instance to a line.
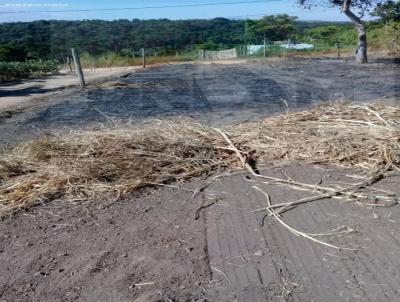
[273, 28]
[355, 10]
[389, 13]
[386, 12]
[10, 53]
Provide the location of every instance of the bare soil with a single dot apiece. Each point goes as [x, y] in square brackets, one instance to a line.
[103, 251]
[150, 248]
[268, 263]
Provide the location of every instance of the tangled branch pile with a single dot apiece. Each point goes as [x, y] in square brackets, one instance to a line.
[119, 160]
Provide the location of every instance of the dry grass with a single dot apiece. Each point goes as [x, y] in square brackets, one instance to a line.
[115, 161]
[353, 136]
[110, 161]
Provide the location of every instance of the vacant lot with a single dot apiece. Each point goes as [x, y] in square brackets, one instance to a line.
[208, 240]
[216, 93]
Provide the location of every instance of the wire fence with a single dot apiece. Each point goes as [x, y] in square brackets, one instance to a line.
[219, 54]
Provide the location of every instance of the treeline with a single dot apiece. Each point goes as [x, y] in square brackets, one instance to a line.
[48, 40]
[53, 39]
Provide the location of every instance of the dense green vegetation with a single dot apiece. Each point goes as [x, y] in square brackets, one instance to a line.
[18, 70]
[53, 39]
[381, 36]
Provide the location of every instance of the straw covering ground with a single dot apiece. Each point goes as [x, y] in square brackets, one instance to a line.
[117, 160]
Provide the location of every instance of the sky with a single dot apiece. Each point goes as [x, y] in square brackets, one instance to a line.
[11, 10]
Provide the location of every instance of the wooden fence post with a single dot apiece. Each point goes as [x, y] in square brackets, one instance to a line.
[93, 64]
[143, 58]
[78, 67]
[202, 55]
[265, 47]
[69, 63]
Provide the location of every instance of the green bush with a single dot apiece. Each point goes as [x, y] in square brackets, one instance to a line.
[23, 70]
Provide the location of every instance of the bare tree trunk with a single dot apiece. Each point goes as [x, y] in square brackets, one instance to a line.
[361, 52]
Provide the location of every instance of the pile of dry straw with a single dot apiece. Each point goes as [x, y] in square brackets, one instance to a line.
[115, 161]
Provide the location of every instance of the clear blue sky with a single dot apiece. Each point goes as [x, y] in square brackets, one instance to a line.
[252, 10]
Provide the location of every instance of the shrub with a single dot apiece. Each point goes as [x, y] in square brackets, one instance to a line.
[23, 70]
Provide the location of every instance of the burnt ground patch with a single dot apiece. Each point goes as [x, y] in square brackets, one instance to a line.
[66, 251]
[214, 93]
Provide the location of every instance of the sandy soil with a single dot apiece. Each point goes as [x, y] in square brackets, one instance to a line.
[98, 252]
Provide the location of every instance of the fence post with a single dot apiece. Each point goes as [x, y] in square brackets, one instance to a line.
[93, 64]
[265, 47]
[69, 63]
[78, 67]
[143, 58]
[338, 49]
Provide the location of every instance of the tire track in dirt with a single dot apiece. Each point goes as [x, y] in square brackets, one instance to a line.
[289, 268]
[322, 209]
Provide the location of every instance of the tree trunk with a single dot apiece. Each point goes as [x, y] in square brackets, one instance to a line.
[361, 52]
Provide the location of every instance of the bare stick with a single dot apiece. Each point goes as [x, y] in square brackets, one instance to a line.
[327, 195]
[332, 191]
[204, 206]
[234, 149]
[377, 115]
[144, 284]
[294, 231]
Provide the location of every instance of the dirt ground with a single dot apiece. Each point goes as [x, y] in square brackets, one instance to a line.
[101, 252]
[150, 248]
[268, 263]
[213, 93]
[22, 93]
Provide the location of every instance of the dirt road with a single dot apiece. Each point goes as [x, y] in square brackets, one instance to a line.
[214, 93]
[23, 93]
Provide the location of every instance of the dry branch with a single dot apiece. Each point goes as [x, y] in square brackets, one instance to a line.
[297, 232]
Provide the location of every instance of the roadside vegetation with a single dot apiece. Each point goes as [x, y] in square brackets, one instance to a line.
[113, 59]
[381, 37]
[22, 70]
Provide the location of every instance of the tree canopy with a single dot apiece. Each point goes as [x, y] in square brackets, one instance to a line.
[355, 10]
[53, 39]
[273, 28]
[388, 11]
